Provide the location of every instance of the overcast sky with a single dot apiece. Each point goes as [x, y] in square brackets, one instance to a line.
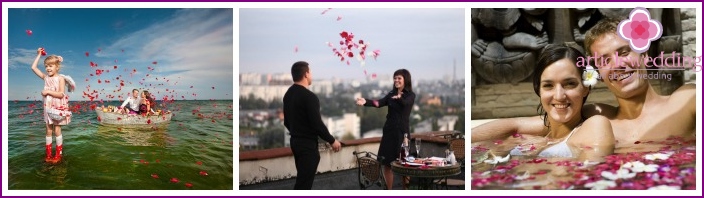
[424, 41]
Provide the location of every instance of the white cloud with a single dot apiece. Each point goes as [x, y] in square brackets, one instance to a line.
[23, 59]
[20, 58]
[195, 39]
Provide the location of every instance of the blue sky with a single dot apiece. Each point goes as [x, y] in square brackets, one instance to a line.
[191, 47]
[424, 41]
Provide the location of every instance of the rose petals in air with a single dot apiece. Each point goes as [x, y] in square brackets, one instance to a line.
[326, 10]
[154, 62]
[87, 54]
[29, 32]
[339, 18]
[295, 49]
[343, 34]
[376, 53]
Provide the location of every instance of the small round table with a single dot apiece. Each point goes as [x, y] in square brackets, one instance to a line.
[425, 174]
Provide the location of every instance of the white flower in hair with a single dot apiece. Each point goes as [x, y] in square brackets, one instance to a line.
[589, 76]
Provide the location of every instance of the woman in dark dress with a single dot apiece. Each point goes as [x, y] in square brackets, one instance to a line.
[400, 102]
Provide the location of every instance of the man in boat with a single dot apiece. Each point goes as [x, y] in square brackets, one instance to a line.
[131, 104]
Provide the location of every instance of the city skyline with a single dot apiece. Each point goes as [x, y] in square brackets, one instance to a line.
[424, 41]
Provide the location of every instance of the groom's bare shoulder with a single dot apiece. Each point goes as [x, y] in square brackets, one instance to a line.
[686, 92]
[685, 97]
[601, 109]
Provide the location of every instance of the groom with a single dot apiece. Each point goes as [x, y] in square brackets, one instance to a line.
[642, 114]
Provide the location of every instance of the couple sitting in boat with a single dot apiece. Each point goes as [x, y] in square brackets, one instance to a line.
[143, 104]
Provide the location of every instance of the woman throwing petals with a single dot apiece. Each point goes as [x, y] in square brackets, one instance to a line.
[400, 102]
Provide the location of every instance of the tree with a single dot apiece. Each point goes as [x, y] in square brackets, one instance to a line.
[371, 118]
[435, 126]
[348, 136]
[271, 138]
[459, 125]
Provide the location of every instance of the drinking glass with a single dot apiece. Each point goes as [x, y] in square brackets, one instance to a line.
[418, 141]
[405, 149]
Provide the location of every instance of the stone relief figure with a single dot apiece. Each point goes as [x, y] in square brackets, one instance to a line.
[507, 43]
[582, 15]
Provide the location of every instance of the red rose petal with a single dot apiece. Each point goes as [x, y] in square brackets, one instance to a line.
[188, 185]
[155, 176]
[199, 163]
[87, 54]
[203, 173]
[174, 180]
[29, 32]
[326, 10]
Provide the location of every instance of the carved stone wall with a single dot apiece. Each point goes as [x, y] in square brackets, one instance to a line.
[689, 38]
[506, 42]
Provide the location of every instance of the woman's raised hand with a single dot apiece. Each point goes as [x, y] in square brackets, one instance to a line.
[398, 96]
[361, 101]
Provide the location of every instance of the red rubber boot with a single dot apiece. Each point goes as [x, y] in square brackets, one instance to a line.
[57, 157]
[48, 153]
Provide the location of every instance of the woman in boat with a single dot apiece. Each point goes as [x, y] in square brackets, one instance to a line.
[147, 105]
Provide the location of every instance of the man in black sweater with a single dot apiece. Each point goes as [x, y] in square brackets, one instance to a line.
[303, 121]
